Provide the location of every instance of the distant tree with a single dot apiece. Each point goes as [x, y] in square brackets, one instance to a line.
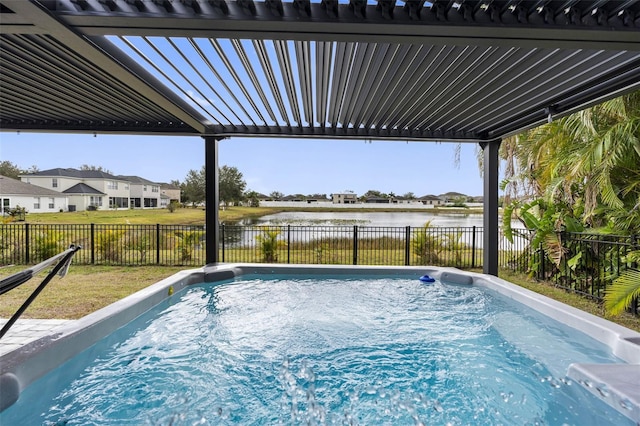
[174, 182]
[231, 186]
[95, 168]
[276, 195]
[193, 188]
[252, 198]
[317, 196]
[392, 194]
[410, 196]
[10, 170]
[373, 194]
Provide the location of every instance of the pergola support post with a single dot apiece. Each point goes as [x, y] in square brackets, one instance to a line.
[212, 217]
[490, 241]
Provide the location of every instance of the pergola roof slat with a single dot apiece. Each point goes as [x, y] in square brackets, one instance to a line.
[282, 53]
[457, 70]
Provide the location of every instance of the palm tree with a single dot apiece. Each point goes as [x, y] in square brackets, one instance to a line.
[588, 161]
[580, 171]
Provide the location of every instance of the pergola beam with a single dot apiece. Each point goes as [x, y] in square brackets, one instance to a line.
[484, 28]
[133, 76]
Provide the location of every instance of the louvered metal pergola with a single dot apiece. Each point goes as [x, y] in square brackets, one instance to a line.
[465, 71]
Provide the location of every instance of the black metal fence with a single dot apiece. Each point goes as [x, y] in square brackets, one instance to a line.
[589, 264]
[104, 244]
[185, 245]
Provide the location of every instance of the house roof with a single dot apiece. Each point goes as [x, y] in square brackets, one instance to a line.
[82, 188]
[164, 185]
[74, 173]
[466, 70]
[10, 186]
[429, 197]
[453, 194]
[137, 180]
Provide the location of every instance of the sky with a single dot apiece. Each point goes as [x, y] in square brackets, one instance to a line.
[289, 166]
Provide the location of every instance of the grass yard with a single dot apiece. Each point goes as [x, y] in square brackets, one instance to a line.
[572, 299]
[84, 290]
[181, 216]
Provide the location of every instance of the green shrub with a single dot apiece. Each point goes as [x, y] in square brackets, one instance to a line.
[109, 246]
[47, 244]
[139, 242]
[187, 243]
[269, 244]
[425, 245]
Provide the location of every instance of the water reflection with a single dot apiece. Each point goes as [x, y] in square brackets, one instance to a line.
[391, 219]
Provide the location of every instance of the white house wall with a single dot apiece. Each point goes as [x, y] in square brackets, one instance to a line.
[29, 201]
[63, 183]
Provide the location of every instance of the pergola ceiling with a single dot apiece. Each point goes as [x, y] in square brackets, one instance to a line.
[409, 70]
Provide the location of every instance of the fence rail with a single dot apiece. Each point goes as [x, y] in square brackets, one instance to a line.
[590, 264]
[185, 244]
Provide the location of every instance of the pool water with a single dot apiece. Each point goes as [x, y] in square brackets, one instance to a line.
[332, 351]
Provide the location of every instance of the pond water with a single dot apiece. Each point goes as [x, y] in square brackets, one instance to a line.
[387, 219]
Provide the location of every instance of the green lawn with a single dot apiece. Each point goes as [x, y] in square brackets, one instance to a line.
[181, 216]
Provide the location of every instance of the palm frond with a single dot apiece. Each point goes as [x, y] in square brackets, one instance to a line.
[622, 292]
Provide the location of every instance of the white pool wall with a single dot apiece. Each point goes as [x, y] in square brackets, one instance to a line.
[21, 367]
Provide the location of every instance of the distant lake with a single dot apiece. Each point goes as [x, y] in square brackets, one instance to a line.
[386, 219]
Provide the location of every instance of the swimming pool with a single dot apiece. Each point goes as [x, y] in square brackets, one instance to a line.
[267, 345]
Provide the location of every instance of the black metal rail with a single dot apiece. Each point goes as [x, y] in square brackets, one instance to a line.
[19, 278]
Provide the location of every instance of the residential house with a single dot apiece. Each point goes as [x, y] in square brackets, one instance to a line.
[344, 198]
[377, 200]
[431, 200]
[105, 190]
[170, 191]
[35, 199]
[83, 197]
[144, 193]
[453, 197]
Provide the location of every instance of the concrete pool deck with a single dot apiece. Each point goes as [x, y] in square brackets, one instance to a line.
[25, 331]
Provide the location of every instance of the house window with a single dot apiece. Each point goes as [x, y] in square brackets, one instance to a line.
[6, 205]
[95, 201]
[118, 202]
[144, 188]
[112, 184]
[54, 182]
[52, 203]
[155, 188]
[36, 203]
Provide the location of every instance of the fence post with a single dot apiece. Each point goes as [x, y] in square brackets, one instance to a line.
[542, 258]
[473, 247]
[93, 243]
[26, 245]
[221, 239]
[407, 238]
[355, 244]
[157, 243]
[288, 243]
[636, 300]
